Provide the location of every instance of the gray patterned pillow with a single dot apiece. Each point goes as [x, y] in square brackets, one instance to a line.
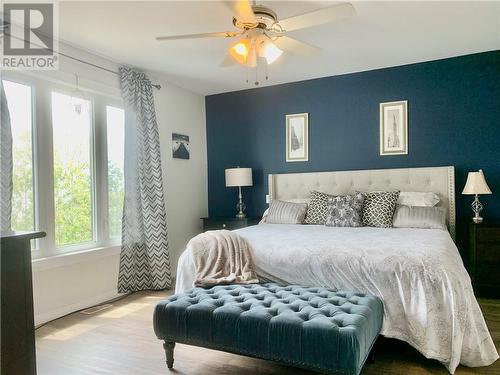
[379, 208]
[345, 211]
[317, 210]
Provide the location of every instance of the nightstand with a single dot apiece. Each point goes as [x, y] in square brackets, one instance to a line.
[229, 223]
[484, 258]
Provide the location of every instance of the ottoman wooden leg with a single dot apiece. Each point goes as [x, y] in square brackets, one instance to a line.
[169, 352]
[371, 357]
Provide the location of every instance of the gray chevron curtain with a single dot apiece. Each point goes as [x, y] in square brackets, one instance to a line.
[5, 164]
[144, 258]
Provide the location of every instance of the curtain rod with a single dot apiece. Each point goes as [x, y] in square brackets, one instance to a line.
[157, 86]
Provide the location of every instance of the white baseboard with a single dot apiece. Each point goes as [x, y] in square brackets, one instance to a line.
[80, 305]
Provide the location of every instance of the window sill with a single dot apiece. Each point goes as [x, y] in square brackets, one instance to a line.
[61, 260]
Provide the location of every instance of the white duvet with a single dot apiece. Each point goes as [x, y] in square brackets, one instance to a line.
[418, 274]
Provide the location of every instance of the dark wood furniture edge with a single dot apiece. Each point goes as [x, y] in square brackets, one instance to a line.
[18, 351]
[21, 235]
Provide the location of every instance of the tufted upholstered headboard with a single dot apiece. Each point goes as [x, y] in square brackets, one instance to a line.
[439, 180]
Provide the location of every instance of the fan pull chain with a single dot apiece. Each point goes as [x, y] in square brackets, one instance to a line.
[256, 69]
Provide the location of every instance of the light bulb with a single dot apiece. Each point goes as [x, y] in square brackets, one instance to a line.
[239, 50]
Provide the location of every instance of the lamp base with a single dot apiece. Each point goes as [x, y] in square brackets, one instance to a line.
[240, 207]
[477, 220]
[477, 207]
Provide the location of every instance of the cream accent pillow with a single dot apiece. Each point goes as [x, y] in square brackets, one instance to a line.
[293, 200]
[281, 212]
[414, 198]
[420, 217]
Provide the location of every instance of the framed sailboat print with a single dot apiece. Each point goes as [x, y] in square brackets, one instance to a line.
[180, 146]
[297, 137]
[394, 128]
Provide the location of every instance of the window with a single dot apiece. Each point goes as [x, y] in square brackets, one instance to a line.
[19, 102]
[72, 137]
[115, 126]
[68, 148]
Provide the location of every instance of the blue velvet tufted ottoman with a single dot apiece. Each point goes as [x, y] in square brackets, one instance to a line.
[313, 328]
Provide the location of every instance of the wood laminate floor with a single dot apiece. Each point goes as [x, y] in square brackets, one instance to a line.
[120, 340]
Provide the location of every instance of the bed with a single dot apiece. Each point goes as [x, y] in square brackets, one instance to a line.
[418, 273]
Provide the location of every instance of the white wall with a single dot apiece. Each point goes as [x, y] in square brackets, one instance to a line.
[70, 282]
[185, 181]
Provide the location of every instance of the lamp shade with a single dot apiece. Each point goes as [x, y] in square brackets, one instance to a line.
[476, 184]
[239, 177]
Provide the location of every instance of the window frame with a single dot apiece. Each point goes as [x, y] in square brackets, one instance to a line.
[34, 171]
[92, 159]
[43, 163]
[112, 240]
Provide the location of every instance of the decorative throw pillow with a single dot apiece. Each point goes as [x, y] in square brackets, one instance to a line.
[379, 207]
[420, 217]
[293, 200]
[318, 208]
[281, 212]
[345, 211]
[417, 198]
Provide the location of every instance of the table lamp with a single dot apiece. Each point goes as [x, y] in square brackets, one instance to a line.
[475, 185]
[238, 177]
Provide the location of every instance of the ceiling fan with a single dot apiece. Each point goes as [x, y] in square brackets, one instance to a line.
[262, 36]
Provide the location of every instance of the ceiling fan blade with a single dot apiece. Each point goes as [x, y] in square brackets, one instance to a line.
[318, 17]
[224, 34]
[228, 62]
[296, 46]
[242, 10]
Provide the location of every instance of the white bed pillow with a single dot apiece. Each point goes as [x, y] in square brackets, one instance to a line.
[416, 198]
[419, 217]
[282, 212]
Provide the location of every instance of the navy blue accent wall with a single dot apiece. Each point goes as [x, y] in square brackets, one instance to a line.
[453, 117]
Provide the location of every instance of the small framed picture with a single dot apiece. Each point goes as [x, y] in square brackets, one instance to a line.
[180, 146]
[297, 137]
[394, 128]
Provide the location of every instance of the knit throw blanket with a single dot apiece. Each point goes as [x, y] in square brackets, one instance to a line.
[222, 257]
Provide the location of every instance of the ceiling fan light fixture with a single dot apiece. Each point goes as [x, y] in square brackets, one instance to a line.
[271, 52]
[240, 50]
[243, 51]
[267, 49]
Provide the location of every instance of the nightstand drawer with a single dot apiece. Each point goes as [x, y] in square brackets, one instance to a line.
[215, 226]
[488, 234]
[488, 253]
[229, 223]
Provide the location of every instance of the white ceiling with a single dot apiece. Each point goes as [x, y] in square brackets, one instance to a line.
[382, 34]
